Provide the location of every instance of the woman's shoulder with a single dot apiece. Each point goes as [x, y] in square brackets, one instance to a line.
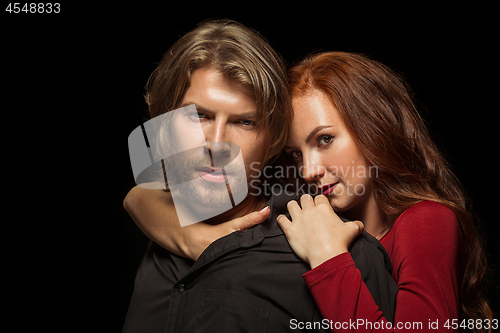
[430, 211]
[427, 219]
[428, 206]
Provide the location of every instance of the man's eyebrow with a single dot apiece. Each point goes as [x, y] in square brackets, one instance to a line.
[200, 108]
[248, 115]
[314, 131]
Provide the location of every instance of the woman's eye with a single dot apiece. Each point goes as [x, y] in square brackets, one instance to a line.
[296, 155]
[325, 139]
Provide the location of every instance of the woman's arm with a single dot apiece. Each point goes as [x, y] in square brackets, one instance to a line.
[154, 213]
[427, 256]
[343, 297]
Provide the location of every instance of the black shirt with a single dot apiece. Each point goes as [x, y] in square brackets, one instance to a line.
[248, 281]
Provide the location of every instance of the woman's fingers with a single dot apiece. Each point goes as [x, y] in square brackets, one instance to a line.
[283, 222]
[356, 227]
[293, 208]
[250, 220]
[321, 199]
[306, 201]
[359, 225]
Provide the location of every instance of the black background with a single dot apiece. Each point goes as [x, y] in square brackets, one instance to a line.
[79, 79]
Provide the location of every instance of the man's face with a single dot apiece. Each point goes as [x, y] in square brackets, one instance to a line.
[227, 117]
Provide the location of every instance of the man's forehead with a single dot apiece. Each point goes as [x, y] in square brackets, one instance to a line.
[212, 91]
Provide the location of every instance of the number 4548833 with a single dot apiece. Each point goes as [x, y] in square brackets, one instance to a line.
[33, 8]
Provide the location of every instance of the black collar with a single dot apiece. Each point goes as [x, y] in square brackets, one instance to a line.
[250, 237]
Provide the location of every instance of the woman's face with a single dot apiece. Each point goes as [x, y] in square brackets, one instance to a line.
[326, 154]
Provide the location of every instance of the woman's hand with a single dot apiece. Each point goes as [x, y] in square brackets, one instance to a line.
[154, 213]
[316, 233]
[195, 238]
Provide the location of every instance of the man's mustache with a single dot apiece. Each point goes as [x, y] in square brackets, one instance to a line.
[181, 167]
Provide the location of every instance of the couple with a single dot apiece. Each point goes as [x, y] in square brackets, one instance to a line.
[236, 272]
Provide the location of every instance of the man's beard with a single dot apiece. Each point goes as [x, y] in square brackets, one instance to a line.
[184, 175]
[206, 194]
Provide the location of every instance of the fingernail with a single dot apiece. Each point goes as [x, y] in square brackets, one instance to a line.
[264, 209]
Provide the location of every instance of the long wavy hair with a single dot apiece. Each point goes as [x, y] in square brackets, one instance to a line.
[377, 107]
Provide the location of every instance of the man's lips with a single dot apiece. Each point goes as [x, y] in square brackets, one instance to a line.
[327, 189]
[213, 175]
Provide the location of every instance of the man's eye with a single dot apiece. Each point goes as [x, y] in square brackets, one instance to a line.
[247, 123]
[197, 115]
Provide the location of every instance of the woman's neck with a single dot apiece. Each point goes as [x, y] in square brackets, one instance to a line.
[376, 222]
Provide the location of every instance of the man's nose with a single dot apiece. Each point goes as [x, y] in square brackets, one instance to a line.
[216, 138]
[219, 148]
[216, 131]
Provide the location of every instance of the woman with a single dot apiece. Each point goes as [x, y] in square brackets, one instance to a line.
[356, 134]
[352, 112]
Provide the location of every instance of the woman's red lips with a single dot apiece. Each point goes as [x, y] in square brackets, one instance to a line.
[327, 189]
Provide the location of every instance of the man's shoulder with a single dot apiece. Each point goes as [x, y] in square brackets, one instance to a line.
[277, 203]
[280, 199]
[367, 250]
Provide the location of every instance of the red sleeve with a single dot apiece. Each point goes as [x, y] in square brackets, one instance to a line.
[426, 249]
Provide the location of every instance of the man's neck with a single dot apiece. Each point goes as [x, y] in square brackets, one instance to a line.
[250, 204]
[188, 213]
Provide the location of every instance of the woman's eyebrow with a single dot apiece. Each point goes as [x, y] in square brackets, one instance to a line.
[316, 130]
[309, 137]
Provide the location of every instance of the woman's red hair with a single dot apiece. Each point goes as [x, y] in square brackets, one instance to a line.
[377, 108]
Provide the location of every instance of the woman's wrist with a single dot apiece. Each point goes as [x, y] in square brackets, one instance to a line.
[194, 239]
[323, 256]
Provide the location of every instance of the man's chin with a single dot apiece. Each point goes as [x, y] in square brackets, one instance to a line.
[206, 195]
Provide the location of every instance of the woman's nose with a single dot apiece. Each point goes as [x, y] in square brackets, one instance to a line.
[312, 169]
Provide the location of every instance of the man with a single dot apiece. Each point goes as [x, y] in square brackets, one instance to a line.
[248, 281]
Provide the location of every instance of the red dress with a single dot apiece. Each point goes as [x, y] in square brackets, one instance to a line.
[427, 252]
